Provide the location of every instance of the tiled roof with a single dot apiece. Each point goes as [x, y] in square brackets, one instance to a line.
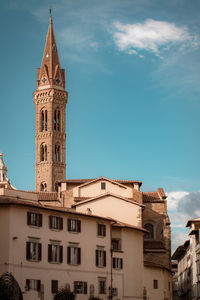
[47, 196]
[121, 224]
[81, 198]
[4, 200]
[91, 179]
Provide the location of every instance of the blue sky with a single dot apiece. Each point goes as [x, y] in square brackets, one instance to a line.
[132, 73]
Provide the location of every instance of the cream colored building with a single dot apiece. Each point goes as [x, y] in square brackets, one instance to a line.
[100, 237]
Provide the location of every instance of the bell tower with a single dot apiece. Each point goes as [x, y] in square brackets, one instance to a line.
[50, 100]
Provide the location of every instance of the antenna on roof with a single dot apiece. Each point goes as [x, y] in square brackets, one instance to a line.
[50, 11]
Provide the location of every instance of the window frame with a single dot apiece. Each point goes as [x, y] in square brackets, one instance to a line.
[150, 235]
[83, 287]
[100, 258]
[101, 230]
[102, 286]
[54, 286]
[74, 225]
[34, 219]
[155, 284]
[116, 244]
[33, 284]
[103, 185]
[55, 223]
[37, 248]
[73, 255]
[55, 253]
[117, 263]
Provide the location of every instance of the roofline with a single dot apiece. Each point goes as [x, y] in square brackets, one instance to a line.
[29, 203]
[91, 179]
[192, 221]
[104, 195]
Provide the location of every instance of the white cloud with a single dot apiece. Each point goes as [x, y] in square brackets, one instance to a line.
[178, 238]
[173, 199]
[152, 36]
[182, 206]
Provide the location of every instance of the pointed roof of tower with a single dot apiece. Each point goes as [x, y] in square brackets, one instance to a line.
[50, 74]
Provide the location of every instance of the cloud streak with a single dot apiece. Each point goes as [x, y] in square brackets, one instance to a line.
[151, 36]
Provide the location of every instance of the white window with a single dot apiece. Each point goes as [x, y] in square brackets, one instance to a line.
[80, 287]
[102, 286]
[117, 263]
[101, 229]
[55, 222]
[33, 284]
[74, 225]
[73, 255]
[33, 251]
[55, 253]
[34, 219]
[100, 258]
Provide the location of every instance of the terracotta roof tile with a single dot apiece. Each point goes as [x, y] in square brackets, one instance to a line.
[44, 196]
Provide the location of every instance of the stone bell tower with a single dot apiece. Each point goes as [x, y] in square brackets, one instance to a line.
[50, 100]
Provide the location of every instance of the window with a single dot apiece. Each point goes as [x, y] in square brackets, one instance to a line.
[44, 120]
[56, 120]
[33, 284]
[73, 255]
[57, 153]
[155, 284]
[116, 244]
[55, 222]
[34, 219]
[33, 251]
[150, 234]
[103, 185]
[100, 258]
[101, 230]
[43, 156]
[80, 287]
[43, 187]
[74, 225]
[102, 286]
[117, 263]
[54, 286]
[55, 253]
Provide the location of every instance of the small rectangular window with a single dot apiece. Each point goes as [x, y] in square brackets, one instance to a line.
[55, 253]
[155, 284]
[116, 244]
[103, 185]
[100, 258]
[55, 222]
[102, 286]
[117, 263]
[34, 219]
[101, 229]
[33, 251]
[54, 286]
[113, 291]
[33, 284]
[80, 287]
[73, 255]
[74, 225]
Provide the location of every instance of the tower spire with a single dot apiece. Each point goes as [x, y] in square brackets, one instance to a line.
[50, 100]
[50, 74]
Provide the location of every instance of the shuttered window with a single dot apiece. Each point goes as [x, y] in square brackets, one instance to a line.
[55, 222]
[55, 253]
[33, 284]
[73, 255]
[34, 219]
[100, 258]
[117, 263]
[33, 251]
[101, 229]
[80, 287]
[74, 225]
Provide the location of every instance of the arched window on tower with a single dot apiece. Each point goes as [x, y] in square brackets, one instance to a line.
[43, 156]
[56, 120]
[56, 186]
[150, 234]
[57, 152]
[43, 187]
[43, 120]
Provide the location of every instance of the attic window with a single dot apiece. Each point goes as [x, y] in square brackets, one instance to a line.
[103, 185]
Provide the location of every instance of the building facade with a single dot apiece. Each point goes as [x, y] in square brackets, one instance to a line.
[99, 237]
